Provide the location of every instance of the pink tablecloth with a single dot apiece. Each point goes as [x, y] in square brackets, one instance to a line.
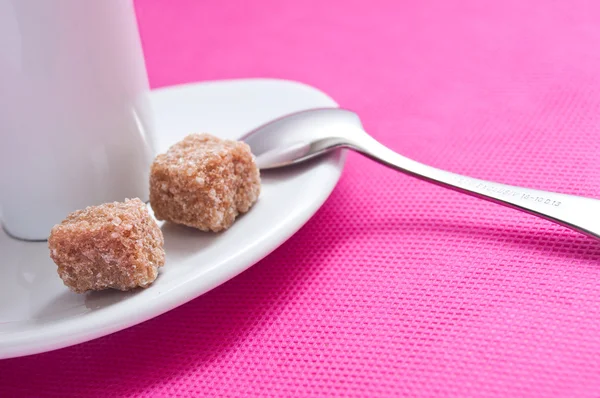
[395, 287]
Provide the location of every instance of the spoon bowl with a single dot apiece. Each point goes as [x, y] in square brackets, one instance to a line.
[301, 136]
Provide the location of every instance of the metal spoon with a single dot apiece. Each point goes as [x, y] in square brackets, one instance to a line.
[304, 135]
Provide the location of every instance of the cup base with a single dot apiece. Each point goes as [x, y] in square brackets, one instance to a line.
[12, 236]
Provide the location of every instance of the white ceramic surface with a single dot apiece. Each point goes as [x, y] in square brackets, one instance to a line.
[74, 122]
[38, 313]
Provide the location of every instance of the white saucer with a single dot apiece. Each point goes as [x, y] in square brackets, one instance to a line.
[38, 313]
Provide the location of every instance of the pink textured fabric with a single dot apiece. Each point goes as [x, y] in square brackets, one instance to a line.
[395, 287]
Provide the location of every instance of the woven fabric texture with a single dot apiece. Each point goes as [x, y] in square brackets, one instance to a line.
[396, 287]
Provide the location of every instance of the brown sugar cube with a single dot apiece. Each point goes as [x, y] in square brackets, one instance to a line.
[115, 245]
[204, 182]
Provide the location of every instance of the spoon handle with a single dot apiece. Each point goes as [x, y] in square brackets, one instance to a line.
[578, 213]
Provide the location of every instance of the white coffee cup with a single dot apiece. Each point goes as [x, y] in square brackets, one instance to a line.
[75, 128]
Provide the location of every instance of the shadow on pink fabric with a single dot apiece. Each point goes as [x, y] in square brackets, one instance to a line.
[395, 287]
